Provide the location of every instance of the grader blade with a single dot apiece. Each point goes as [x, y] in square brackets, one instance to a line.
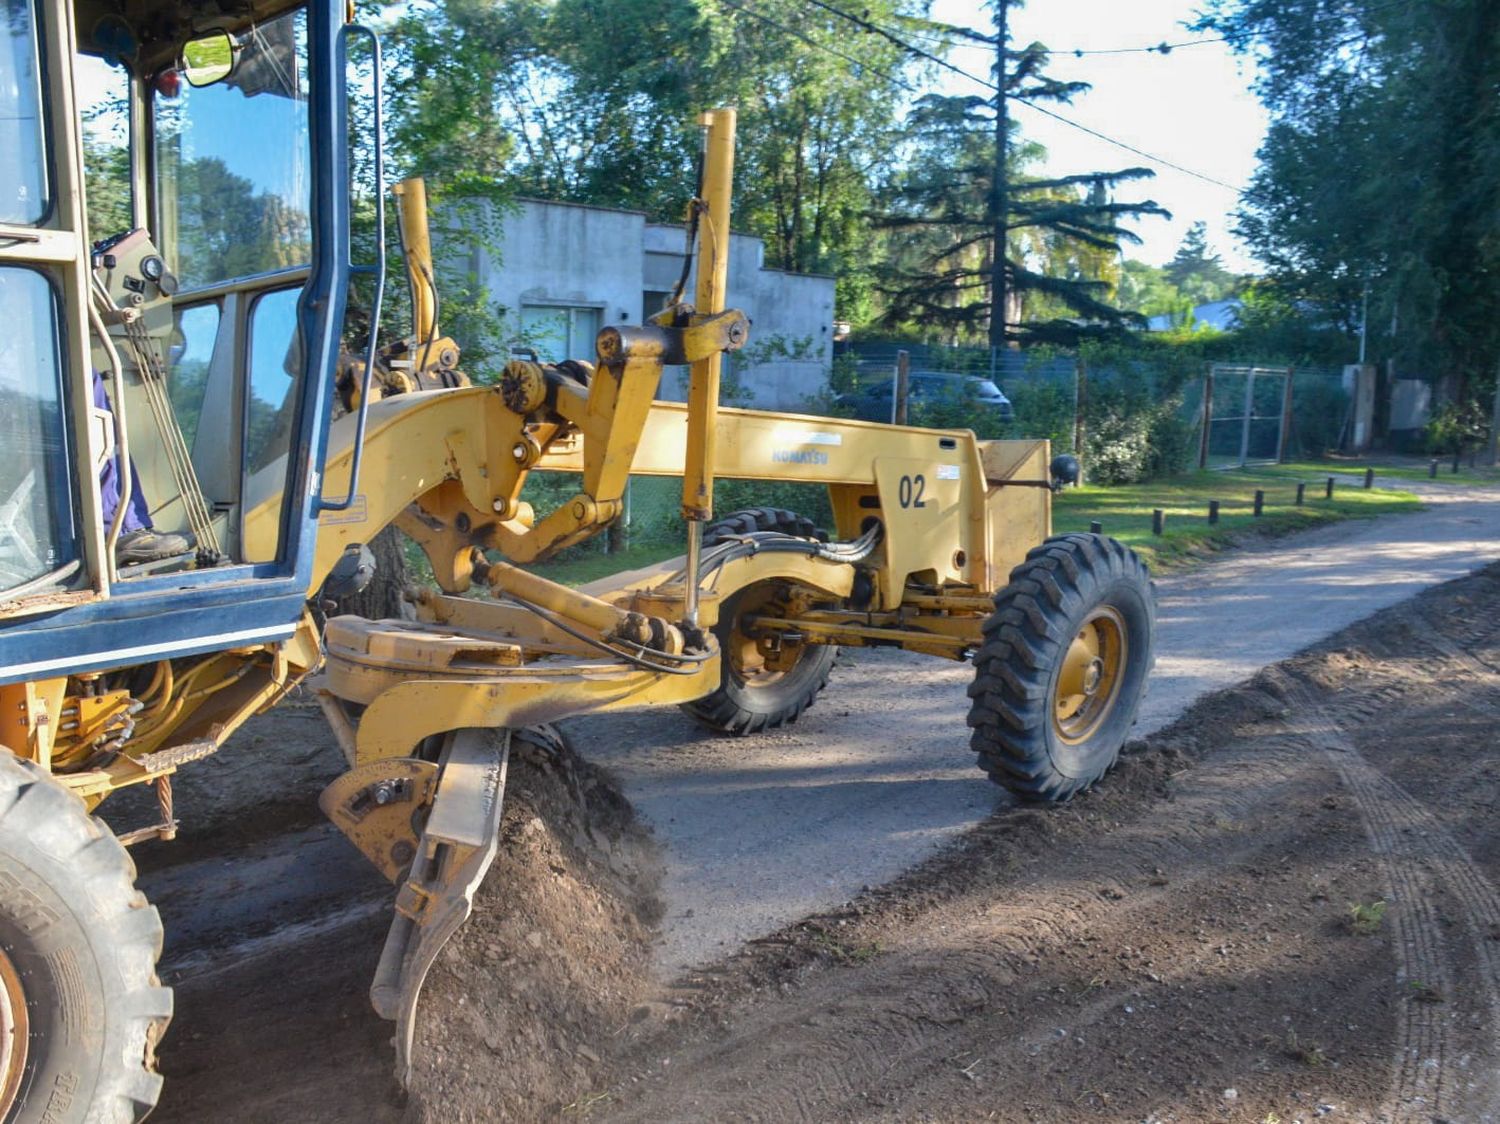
[456, 849]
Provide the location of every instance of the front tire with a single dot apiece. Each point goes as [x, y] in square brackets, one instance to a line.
[1063, 668]
[758, 691]
[81, 1008]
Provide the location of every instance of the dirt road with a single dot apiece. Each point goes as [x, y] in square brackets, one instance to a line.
[759, 832]
[878, 775]
[1283, 907]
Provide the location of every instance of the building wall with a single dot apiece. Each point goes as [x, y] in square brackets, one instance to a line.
[560, 255]
[613, 267]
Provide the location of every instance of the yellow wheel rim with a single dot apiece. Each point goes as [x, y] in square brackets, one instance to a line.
[1088, 683]
[14, 1034]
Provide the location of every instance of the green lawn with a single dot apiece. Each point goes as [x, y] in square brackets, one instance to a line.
[590, 565]
[1125, 510]
[1125, 513]
[1409, 469]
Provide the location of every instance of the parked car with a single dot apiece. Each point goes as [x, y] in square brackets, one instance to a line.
[872, 402]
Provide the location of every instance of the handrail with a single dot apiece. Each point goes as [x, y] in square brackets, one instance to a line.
[122, 433]
[378, 270]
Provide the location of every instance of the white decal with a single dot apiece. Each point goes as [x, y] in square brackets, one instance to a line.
[806, 437]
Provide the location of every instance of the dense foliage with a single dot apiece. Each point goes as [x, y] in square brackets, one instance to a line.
[1378, 177]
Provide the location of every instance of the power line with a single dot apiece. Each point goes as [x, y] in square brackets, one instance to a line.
[1127, 147]
[895, 79]
[885, 33]
[811, 42]
[1162, 48]
[865, 23]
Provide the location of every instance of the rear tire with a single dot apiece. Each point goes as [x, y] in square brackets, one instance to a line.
[1063, 668]
[750, 698]
[81, 1008]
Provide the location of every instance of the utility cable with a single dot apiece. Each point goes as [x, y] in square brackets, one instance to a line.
[989, 85]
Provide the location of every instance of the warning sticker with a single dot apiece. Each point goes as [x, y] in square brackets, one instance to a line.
[947, 472]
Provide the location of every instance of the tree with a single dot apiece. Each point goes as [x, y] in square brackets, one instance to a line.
[942, 220]
[1378, 173]
[1196, 270]
[541, 100]
[1145, 288]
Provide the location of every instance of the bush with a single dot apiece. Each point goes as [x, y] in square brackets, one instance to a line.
[1456, 427]
[1117, 448]
[1319, 404]
[1173, 442]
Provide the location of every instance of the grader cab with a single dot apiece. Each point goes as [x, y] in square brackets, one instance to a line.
[195, 469]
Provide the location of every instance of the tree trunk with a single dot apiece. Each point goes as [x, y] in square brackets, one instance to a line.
[381, 599]
[999, 297]
[1494, 449]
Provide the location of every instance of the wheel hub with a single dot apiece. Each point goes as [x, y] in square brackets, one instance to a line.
[759, 658]
[1092, 677]
[1089, 679]
[14, 1034]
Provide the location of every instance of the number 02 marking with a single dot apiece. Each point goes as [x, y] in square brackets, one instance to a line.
[911, 489]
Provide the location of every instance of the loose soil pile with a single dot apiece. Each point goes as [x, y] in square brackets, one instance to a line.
[528, 997]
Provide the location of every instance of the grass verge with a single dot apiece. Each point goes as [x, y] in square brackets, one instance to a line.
[1406, 469]
[1125, 510]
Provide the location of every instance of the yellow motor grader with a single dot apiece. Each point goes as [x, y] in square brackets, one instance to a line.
[194, 471]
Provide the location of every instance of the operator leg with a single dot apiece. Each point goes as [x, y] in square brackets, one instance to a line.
[138, 542]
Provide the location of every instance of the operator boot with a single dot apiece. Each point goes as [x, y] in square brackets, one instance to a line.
[146, 545]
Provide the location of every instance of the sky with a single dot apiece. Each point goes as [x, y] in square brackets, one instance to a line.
[1191, 107]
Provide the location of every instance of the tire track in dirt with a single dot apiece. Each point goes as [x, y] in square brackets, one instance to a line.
[926, 1007]
[1421, 859]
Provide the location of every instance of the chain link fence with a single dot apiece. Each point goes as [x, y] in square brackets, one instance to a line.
[1129, 415]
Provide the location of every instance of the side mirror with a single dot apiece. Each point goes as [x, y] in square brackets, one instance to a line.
[208, 59]
[1064, 471]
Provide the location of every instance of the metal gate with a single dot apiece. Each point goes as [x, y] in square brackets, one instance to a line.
[1245, 415]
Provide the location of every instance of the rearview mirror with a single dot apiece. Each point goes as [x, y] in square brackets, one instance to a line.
[208, 59]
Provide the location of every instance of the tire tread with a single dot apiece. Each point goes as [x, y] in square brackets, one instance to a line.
[1023, 640]
[47, 819]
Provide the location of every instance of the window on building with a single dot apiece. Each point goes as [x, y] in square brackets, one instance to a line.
[558, 332]
[652, 302]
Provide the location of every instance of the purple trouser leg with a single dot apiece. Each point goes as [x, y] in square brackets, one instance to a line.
[137, 515]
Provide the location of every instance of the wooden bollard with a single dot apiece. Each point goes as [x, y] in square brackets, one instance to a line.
[1158, 521]
[1213, 512]
[1328, 491]
[1432, 469]
[1096, 527]
[1369, 479]
[1301, 491]
[1260, 502]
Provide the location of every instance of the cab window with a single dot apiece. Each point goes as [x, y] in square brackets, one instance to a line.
[37, 536]
[104, 113]
[24, 187]
[232, 163]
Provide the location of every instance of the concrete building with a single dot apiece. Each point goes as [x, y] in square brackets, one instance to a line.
[562, 271]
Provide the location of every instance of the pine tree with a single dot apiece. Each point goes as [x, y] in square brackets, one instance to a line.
[966, 192]
[1196, 270]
